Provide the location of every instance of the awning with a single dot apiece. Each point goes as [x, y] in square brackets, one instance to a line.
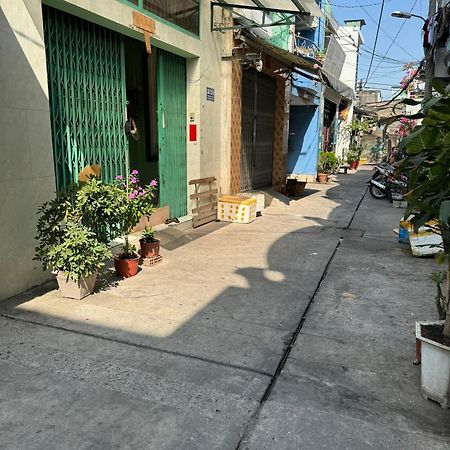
[284, 56]
[336, 84]
[294, 6]
[312, 7]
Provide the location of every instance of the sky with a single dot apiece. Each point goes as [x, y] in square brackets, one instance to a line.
[404, 47]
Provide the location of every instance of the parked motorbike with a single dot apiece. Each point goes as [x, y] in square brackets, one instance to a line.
[386, 184]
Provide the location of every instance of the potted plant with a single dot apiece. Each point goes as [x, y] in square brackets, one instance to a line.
[101, 206]
[427, 166]
[138, 202]
[74, 255]
[358, 127]
[149, 243]
[326, 166]
[352, 158]
[359, 150]
[75, 228]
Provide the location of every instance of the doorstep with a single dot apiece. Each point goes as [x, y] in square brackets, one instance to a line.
[159, 216]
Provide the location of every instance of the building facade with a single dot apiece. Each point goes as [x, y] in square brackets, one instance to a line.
[77, 73]
[179, 90]
[322, 104]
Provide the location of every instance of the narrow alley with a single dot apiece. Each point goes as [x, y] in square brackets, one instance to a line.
[293, 332]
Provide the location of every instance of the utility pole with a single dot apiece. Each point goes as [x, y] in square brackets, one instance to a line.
[359, 89]
[429, 63]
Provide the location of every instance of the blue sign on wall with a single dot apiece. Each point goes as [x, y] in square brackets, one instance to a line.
[210, 94]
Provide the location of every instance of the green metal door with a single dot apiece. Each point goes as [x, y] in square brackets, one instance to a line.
[86, 79]
[171, 92]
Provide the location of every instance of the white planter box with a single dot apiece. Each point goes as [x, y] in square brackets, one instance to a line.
[76, 289]
[435, 377]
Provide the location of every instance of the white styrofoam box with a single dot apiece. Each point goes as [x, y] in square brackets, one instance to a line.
[425, 242]
[236, 208]
[260, 202]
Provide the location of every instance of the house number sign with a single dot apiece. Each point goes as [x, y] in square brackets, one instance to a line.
[210, 94]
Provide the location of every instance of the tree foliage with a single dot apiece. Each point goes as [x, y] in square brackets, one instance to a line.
[75, 227]
[427, 165]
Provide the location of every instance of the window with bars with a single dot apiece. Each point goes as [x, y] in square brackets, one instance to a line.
[183, 13]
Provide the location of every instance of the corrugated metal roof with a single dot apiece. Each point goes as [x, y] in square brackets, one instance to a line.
[338, 85]
[287, 5]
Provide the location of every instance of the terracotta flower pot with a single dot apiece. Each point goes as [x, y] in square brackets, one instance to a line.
[126, 267]
[322, 177]
[149, 249]
[357, 163]
[353, 165]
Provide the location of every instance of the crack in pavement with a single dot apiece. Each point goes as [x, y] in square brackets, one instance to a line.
[297, 332]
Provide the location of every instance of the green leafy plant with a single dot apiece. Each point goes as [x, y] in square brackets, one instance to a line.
[138, 202]
[357, 125]
[352, 155]
[86, 213]
[78, 253]
[53, 216]
[149, 234]
[427, 166]
[101, 207]
[327, 162]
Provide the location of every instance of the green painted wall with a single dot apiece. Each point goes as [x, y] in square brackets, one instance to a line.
[280, 34]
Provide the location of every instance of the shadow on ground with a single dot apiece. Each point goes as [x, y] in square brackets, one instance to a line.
[182, 354]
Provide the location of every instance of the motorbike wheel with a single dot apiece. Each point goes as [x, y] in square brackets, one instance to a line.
[376, 192]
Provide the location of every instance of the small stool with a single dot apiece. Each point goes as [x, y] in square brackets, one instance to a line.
[345, 167]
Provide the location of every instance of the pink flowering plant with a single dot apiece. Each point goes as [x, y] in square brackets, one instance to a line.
[139, 202]
[406, 126]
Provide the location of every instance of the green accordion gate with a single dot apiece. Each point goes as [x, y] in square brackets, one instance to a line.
[86, 79]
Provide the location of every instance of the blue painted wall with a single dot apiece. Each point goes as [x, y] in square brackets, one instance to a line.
[303, 144]
[305, 122]
[299, 82]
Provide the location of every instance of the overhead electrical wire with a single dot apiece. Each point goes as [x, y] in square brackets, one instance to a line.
[395, 37]
[355, 6]
[383, 31]
[356, 45]
[383, 61]
[405, 86]
[375, 41]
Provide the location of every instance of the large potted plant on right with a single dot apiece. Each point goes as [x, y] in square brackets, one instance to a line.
[427, 165]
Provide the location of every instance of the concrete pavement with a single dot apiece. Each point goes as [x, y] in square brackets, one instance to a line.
[182, 354]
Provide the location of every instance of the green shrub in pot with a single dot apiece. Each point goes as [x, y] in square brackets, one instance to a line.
[327, 162]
